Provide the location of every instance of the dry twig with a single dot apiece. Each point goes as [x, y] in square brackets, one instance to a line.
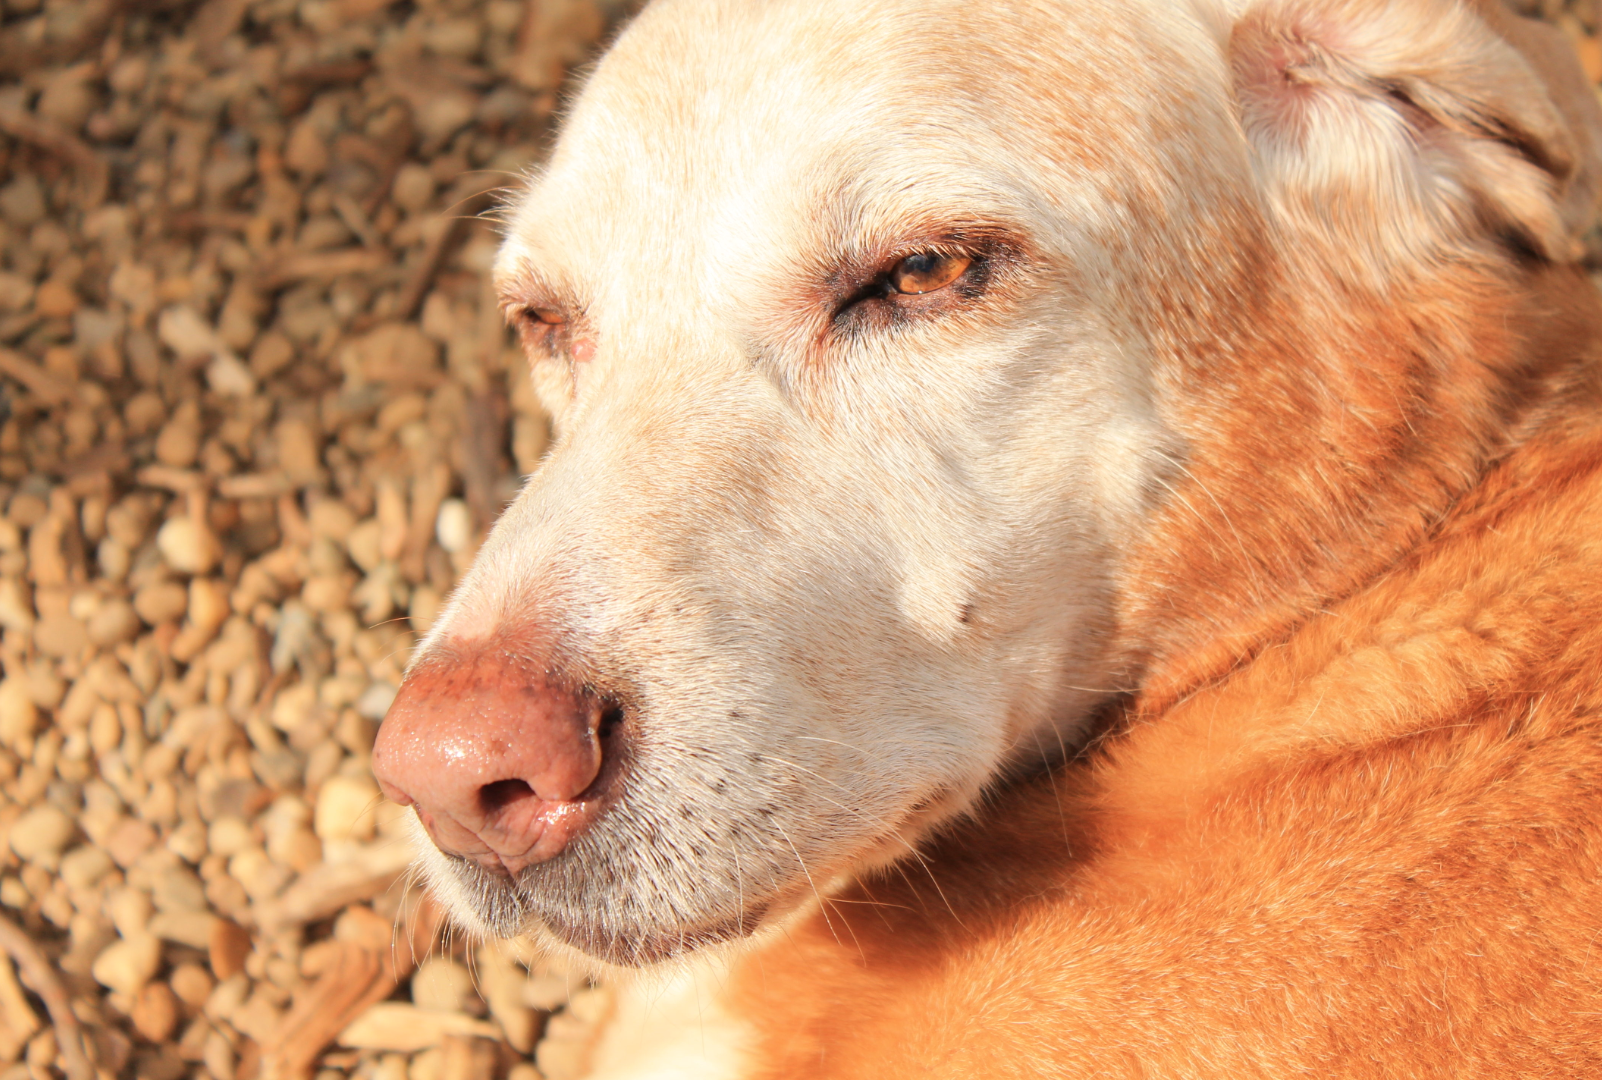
[42, 979]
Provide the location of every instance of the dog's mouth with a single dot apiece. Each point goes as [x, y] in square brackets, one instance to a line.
[513, 906]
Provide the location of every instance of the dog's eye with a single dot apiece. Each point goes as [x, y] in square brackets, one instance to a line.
[545, 317]
[927, 272]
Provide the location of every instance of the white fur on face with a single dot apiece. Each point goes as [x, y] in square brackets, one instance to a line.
[847, 572]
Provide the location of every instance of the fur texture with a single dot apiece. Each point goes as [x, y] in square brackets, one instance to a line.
[1261, 451]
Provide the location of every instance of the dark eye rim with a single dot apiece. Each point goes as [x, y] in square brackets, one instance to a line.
[537, 333]
[875, 295]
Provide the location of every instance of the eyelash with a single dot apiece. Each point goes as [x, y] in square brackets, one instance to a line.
[898, 308]
[535, 333]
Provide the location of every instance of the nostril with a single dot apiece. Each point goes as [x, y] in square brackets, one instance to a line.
[503, 793]
[611, 720]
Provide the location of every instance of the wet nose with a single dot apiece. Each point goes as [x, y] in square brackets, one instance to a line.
[500, 758]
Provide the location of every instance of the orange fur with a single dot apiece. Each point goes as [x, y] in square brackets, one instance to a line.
[1371, 850]
[1349, 823]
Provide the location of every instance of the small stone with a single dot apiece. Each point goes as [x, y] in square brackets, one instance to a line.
[332, 520]
[126, 966]
[105, 729]
[272, 353]
[424, 609]
[394, 1025]
[363, 544]
[16, 610]
[143, 414]
[376, 700]
[191, 928]
[41, 833]
[228, 376]
[306, 151]
[129, 910]
[188, 335]
[16, 291]
[188, 546]
[160, 602]
[399, 412]
[128, 841]
[298, 452]
[82, 867]
[155, 1012]
[453, 525]
[60, 635]
[178, 444]
[22, 201]
[55, 300]
[230, 945]
[413, 188]
[115, 622]
[177, 889]
[114, 558]
[562, 1059]
[191, 985]
[442, 985]
[345, 810]
[208, 605]
[68, 99]
[19, 715]
[229, 835]
[261, 878]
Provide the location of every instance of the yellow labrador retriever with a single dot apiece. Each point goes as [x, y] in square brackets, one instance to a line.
[1073, 547]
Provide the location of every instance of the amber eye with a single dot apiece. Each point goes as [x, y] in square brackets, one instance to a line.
[927, 272]
[546, 316]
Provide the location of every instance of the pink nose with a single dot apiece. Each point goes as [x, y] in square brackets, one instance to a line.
[500, 759]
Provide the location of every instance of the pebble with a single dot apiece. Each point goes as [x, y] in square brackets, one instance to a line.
[413, 187]
[178, 443]
[114, 622]
[376, 700]
[298, 454]
[442, 984]
[187, 334]
[19, 715]
[188, 546]
[160, 602]
[125, 966]
[394, 1025]
[191, 985]
[83, 867]
[346, 809]
[155, 1012]
[259, 465]
[453, 526]
[41, 833]
[229, 947]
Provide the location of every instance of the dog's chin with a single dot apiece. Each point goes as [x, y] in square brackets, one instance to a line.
[504, 907]
[647, 949]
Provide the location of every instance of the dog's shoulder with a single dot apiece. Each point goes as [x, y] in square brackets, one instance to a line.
[1209, 891]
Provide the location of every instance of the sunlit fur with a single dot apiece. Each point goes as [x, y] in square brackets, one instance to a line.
[1283, 385]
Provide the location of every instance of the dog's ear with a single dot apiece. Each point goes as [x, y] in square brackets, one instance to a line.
[1415, 126]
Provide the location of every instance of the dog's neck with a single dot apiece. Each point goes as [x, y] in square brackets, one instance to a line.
[1322, 451]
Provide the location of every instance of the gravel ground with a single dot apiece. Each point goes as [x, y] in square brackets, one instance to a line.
[258, 409]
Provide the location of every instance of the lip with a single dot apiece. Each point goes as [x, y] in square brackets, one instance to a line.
[512, 906]
[654, 948]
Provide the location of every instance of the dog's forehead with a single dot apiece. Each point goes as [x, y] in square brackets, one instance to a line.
[734, 126]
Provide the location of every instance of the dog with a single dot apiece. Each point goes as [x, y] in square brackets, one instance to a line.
[1072, 546]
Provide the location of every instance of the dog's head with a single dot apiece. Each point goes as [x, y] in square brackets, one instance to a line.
[924, 375]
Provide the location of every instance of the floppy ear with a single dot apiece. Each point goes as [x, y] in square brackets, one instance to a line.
[1416, 127]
